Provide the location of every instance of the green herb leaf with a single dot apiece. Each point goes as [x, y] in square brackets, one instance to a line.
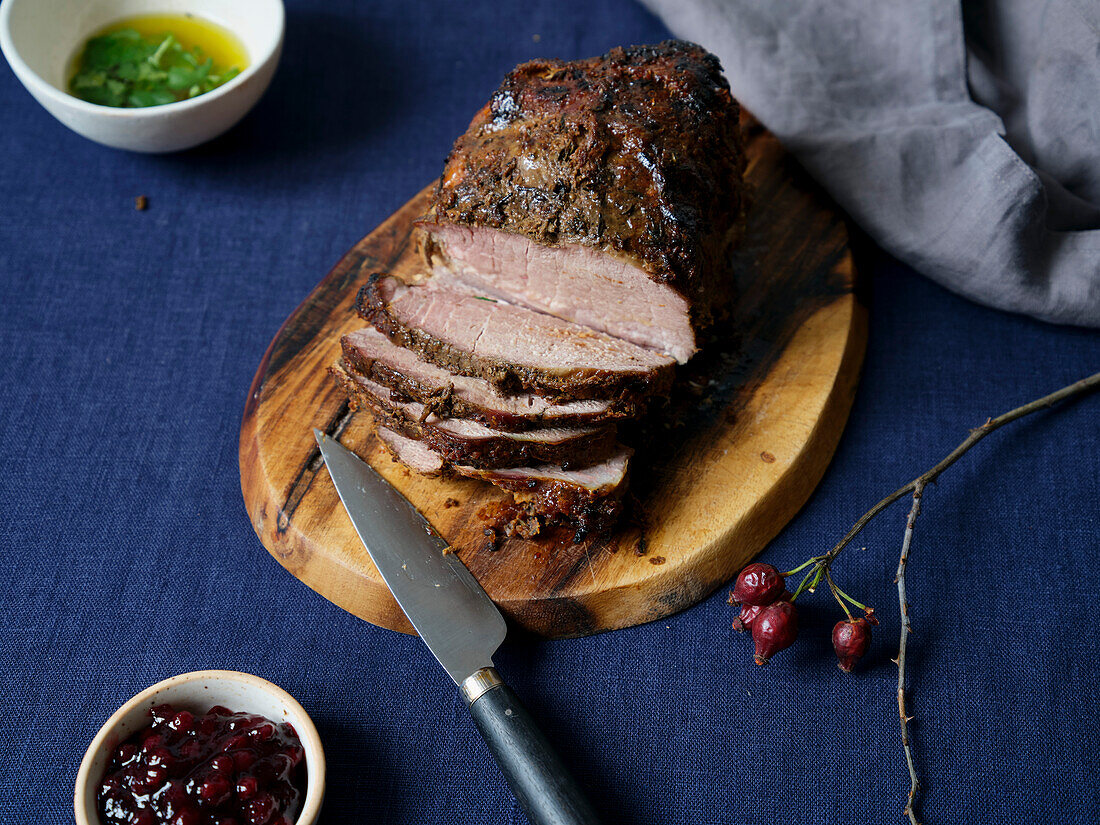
[179, 78]
[127, 71]
[123, 69]
[109, 50]
[166, 44]
[156, 97]
[92, 79]
[149, 75]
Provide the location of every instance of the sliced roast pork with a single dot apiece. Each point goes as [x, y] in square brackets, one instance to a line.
[577, 243]
[605, 191]
[514, 348]
[459, 440]
[372, 355]
[598, 290]
[589, 497]
[415, 455]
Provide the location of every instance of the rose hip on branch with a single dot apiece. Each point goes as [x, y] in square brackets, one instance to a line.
[748, 615]
[767, 607]
[851, 638]
[749, 612]
[775, 629]
[758, 584]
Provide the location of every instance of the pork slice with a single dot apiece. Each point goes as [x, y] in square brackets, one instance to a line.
[416, 455]
[372, 355]
[589, 497]
[596, 480]
[463, 441]
[514, 348]
[594, 288]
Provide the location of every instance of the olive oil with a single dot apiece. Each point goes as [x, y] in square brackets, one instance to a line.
[216, 42]
[149, 60]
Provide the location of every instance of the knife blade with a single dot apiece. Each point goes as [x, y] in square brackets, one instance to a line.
[461, 627]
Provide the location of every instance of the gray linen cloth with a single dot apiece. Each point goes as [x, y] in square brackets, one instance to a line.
[964, 139]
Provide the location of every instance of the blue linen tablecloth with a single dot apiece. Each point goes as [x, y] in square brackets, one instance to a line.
[128, 341]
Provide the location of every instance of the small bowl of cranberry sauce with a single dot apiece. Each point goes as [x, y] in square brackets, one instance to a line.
[213, 747]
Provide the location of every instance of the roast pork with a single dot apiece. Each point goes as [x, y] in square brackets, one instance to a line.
[605, 191]
[577, 243]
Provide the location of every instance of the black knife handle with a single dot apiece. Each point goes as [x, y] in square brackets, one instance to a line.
[547, 791]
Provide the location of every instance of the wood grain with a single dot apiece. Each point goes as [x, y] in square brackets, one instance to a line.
[742, 443]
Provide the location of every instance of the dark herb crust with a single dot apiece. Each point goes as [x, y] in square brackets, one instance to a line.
[637, 152]
[555, 503]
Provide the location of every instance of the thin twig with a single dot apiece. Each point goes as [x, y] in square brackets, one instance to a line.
[906, 626]
[977, 434]
[916, 487]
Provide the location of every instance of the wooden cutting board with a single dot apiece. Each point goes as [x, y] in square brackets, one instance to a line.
[740, 447]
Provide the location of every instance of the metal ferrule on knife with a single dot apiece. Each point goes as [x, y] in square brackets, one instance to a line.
[475, 685]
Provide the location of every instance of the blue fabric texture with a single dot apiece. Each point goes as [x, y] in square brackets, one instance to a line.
[128, 342]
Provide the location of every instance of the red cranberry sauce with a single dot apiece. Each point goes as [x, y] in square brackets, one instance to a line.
[223, 768]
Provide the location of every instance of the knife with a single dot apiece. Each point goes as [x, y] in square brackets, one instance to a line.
[461, 627]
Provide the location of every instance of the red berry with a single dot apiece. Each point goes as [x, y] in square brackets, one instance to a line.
[236, 743]
[186, 770]
[222, 763]
[182, 721]
[247, 786]
[748, 615]
[758, 584]
[749, 612]
[296, 754]
[260, 809]
[151, 742]
[191, 750]
[175, 795]
[262, 732]
[215, 790]
[775, 629]
[161, 756]
[851, 638]
[243, 760]
[154, 777]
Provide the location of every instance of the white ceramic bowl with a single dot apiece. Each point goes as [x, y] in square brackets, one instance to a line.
[39, 37]
[197, 692]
